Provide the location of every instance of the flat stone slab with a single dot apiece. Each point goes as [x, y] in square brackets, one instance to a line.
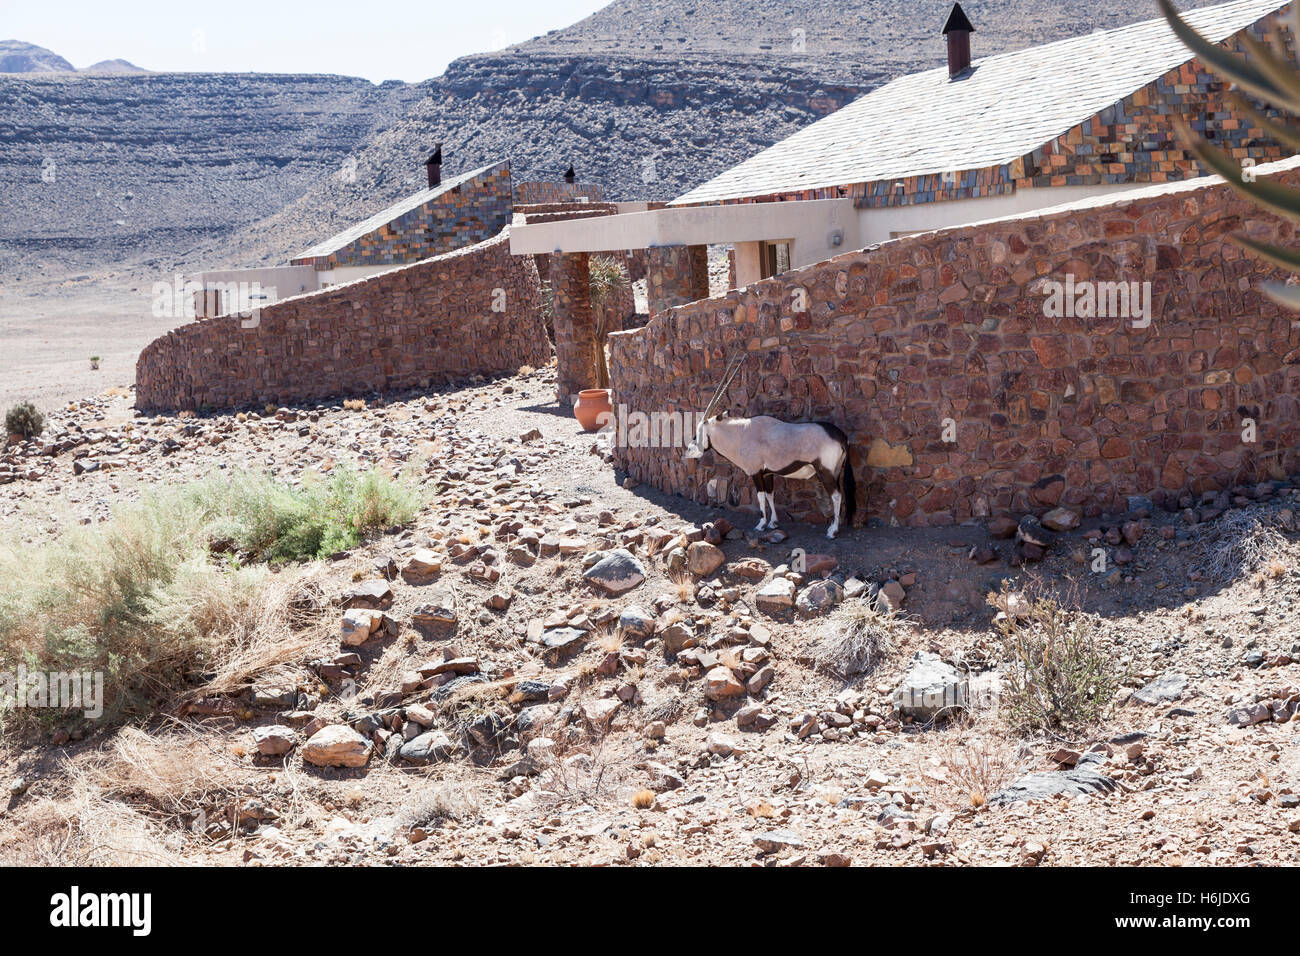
[1163, 690]
[1047, 784]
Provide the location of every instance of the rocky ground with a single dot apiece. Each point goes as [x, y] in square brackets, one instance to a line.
[552, 666]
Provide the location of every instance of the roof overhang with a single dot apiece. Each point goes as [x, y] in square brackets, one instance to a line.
[687, 225]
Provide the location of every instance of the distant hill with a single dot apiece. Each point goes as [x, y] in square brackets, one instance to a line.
[112, 66]
[19, 57]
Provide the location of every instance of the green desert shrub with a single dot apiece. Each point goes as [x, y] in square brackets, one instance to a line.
[24, 419]
[183, 582]
[1058, 673]
[261, 519]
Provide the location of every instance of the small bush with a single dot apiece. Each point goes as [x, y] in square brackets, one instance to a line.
[1059, 676]
[23, 419]
[855, 640]
[263, 520]
[144, 599]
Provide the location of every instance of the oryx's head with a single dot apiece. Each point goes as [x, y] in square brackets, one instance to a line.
[703, 441]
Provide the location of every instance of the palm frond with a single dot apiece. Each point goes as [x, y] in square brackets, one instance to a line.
[1227, 65]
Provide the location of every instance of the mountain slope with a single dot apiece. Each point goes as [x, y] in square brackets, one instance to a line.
[19, 57]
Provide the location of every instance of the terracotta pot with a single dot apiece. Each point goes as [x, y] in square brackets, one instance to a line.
[591, 404]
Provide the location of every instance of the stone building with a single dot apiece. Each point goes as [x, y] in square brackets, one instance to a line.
[972, 140]
[444, 216]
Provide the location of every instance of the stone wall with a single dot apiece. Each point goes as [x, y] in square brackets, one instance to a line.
[946, 336]
[551, 192]
[676, 275]
[421, 325]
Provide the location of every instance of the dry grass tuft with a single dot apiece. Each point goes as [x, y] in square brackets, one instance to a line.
[1242, 542]
[972, 762]
[166, 774]
[856, 639]
[643, 799]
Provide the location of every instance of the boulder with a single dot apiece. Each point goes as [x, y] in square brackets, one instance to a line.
[703, 559]
[274, 740]
[358, 624]
[721, 684]
[337, 746]
[422, 565]
[819, 597]
[929, 687]
[636, 623]
[775, 596]
[428, 747]
[436, 617]
[617, 572]
[1061, 519]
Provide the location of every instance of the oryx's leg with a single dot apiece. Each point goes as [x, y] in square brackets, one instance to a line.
[769, 482]
[832, 487]
[757, 478]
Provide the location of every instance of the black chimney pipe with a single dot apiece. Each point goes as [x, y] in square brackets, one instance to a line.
[433, 166]
[958, 30]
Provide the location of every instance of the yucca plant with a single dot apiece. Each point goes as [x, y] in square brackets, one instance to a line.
[1273, 77]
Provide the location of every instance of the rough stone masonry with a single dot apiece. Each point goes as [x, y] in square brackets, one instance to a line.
[963, 398]
[473, 311]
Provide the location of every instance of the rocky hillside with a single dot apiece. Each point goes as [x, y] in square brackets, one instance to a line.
[646, 99]
[149, 164]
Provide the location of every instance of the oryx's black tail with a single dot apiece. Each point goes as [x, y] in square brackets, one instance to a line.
[850, 488]
[848, 484]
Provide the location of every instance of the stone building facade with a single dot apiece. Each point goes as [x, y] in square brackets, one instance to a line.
[454, 214]
[965, 388]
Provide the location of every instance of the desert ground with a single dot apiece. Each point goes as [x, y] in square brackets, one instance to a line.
[549, 664]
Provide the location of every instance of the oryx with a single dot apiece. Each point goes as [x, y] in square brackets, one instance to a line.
[764, 447]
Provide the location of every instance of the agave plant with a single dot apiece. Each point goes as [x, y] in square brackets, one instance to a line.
[1271, 76]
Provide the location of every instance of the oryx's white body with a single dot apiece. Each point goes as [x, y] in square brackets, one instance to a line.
[764, 447]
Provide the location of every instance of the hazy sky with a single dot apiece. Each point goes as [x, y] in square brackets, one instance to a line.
[382, 40]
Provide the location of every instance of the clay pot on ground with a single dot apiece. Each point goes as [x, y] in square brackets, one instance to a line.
[591, 404]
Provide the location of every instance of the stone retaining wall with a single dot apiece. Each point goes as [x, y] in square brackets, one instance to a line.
[964, 399]
[421, 325]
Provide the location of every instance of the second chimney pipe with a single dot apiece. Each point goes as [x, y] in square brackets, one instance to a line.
[433, 165]
[958, 30]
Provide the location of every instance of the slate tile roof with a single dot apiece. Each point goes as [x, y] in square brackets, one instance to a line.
[348, 236]
[1005, 107]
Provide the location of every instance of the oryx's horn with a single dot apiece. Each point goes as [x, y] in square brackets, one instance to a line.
[732, 368]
